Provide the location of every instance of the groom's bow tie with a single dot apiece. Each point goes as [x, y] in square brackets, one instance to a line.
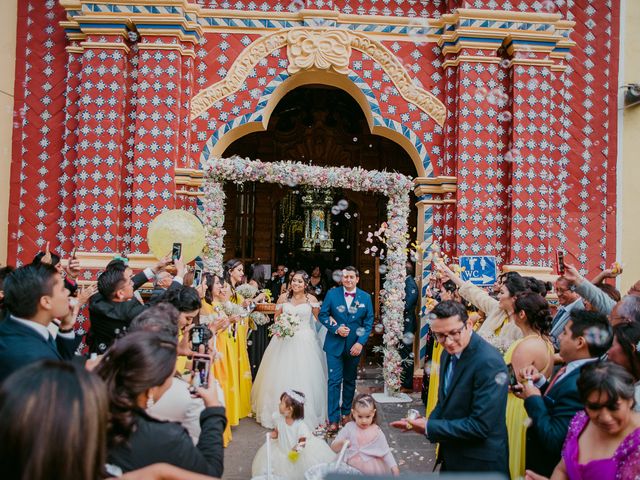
[352, 294]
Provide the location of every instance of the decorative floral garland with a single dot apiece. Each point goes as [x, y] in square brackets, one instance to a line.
[393, 185]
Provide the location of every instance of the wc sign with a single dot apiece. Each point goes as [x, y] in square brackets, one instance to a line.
[479, 269]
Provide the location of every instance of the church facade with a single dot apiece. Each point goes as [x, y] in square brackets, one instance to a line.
[506, 112]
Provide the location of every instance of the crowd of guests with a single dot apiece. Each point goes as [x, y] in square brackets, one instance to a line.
[556, 395]
[509, 386]
[155, 417]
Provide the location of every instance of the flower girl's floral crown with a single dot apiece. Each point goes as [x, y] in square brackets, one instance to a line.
[295, 396]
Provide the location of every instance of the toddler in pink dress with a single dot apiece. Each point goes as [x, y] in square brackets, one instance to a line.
[368, 450]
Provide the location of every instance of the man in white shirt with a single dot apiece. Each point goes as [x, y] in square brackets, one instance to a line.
[34, 296]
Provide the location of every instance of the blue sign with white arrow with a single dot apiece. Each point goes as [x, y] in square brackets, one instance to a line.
[479, 269]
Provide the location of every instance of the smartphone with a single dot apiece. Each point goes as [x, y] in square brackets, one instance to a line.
[176, 251]
[201, 366]
[560, 262]
[197, 277]
[200, 335]
[73, 252]
[513, 380]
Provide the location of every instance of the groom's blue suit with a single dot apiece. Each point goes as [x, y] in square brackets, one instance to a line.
[343, 367]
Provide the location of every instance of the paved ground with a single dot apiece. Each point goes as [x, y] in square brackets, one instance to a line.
[412, 452]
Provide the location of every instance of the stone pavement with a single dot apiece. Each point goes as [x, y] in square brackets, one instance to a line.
[413, 452]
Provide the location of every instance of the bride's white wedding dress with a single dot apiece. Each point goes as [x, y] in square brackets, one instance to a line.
[296, 363]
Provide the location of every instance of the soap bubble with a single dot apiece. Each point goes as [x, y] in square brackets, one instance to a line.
[353, 310]
[501, 378]
[296, 6]
[407, 338]
[378, 328]
[512, 155]
[323, 235]
[341, 308]
[335, 210]
[418, 29]
[318, 290]
[360, 331]
[527, 422]
[481, 94]
[383, 269]
[343, 204]
[504, 116]
[505, 63]
[597, 336]
[337, 276]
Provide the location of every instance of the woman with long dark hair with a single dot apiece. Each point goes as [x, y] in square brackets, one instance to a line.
[53, 423]
[137, 370]
[532, 316]
[234, 276]
[294, 359]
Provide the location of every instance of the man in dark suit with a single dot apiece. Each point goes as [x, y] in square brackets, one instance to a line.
[569, 301]
[34, 296]
[278, 279]
[408, 334]
[347, 312]
[551, 411]
[114, 306]
[469, 419]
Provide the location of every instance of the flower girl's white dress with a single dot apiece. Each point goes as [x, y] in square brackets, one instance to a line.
[292, 363]
[316, 451]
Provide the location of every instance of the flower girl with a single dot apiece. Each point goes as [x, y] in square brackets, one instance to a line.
[294, 449]
[368, 450]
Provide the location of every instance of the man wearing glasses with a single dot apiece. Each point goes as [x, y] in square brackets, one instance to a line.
[469, 419]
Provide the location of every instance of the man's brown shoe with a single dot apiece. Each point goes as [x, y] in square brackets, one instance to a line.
[332, 429]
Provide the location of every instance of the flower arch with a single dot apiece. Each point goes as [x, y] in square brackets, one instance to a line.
[393, 185]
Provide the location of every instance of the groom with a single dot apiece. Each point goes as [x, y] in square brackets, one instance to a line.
[347, 312]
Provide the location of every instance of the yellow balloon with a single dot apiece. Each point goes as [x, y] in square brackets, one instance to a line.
[176, 226]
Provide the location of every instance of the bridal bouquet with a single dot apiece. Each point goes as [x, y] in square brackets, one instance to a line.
[246, 290]
[286, 325]
[232, 309]
[259, 318]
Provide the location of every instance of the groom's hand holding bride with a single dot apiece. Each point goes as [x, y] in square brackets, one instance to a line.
[343, 330]
[356, 349]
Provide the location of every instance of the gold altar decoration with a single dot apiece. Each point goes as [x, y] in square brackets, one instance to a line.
[176, 226]
[317, 219]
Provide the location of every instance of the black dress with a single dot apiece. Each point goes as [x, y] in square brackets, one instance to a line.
[155, 441]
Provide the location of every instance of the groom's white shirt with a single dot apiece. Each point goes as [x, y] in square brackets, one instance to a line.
[349, 299]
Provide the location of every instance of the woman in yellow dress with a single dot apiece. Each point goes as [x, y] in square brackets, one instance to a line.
[234, 276]
[532, 316]
[213, 314]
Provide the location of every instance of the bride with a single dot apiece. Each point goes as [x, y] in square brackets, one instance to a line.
[293, 363]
